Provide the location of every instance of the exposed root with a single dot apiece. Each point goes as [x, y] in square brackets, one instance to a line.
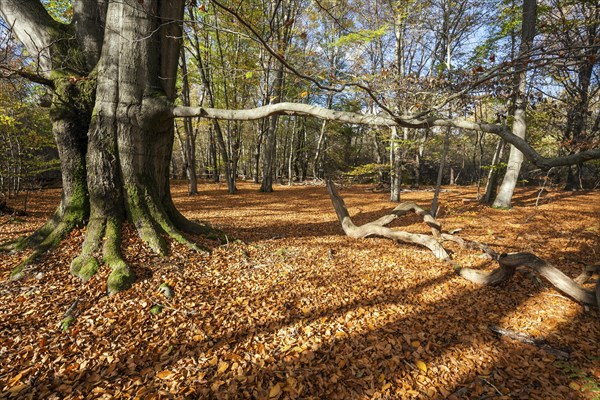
[51, 240]
[182, 223]
[86, 264]
[160, 216]
[121, 277]
[140, 215]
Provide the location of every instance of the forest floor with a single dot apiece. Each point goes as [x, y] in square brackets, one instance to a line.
[292, 308]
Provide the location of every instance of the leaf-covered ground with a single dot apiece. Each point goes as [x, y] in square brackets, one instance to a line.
[294, 309]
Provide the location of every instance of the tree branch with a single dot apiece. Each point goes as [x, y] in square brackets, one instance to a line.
[382, 120]
[32, 26]
[376, 228]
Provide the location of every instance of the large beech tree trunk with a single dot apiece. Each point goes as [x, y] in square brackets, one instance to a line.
[131, 136]
[115, 158]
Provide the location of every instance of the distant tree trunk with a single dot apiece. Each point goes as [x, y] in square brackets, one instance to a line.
[213, 155]
[257, 153]
[515, 159]
[492, 178]
[317, 160]
[438, 185]
[318, 152]
[270, 148]
[189, 142]
[396, 165]
[291, 155]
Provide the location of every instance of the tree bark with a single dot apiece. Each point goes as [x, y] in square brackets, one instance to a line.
[120, 169]
[515, 158]
[65, 71]
[189, 142]
[438, 184]
[396, 166]
[492, 179]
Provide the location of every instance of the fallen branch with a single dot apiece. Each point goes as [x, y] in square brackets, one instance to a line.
[587, 273]
[377, 227]
[508, 263]
[520, 337]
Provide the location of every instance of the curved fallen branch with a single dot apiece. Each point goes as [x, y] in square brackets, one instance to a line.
[508, 263]
[377, 228]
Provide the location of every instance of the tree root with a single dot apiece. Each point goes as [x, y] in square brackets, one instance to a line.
[508, 263]
[64, 220]
[121, 277]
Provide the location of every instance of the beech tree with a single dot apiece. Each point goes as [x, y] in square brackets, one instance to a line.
[112, 73]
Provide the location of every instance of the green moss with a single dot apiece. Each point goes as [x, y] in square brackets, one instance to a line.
[156, 309]
[88, 269]
[139, 215]
[17, 272]
[66, 323]
[121, 278]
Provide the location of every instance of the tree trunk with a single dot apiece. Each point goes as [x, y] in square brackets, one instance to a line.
[515, 158]
[492, 179]
[71, 108]
[396, 164]
[190, 135]
[438, 184]
[124, 170]
[270, 148]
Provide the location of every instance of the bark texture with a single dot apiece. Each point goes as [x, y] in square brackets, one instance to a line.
[113, 125]
[508, 264]
[515, 158]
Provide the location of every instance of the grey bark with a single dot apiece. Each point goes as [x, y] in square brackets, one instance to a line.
[515, 158]
[438, 184]
[189, 142]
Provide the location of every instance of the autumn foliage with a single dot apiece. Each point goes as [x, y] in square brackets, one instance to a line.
[286, 306]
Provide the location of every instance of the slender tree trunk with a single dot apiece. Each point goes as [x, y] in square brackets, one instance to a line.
[214, 157]
[317, 160]
[515, 158]
[438, 185]
[492, 178]
[270, 148]
[190, 135]
[396, 164]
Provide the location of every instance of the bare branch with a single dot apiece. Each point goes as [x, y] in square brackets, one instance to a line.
[384, 120]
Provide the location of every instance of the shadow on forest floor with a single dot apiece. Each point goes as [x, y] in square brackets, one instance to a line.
[301, 311]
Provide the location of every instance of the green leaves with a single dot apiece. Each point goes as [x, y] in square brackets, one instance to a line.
[363, 36]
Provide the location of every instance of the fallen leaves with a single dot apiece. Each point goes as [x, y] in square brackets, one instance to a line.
[297, 310]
